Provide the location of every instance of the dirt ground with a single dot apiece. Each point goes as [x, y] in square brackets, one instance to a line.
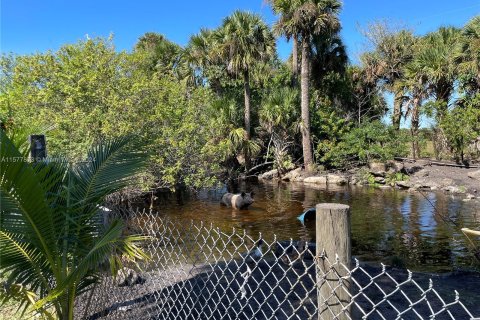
[442, 177]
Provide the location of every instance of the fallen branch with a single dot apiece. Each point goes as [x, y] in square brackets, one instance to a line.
[259, 165]
[438, 163]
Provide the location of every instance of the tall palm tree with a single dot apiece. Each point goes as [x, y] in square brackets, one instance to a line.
[52, 238]
[242, 41]
[468, 56]
[285, 27]
[311, 18]
[393, 50]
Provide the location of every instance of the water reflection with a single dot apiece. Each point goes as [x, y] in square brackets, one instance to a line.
[386, 224]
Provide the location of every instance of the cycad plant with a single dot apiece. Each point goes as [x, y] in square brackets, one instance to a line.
[53, 241]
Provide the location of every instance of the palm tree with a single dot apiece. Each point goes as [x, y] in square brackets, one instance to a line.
[53, 241]
[285, 27]
[436, 60]
[242, 41]
[329, 54]
[393, 50]
[311, 18]
[468, 57]
[160, 53]
[197, 55]
[416, 87]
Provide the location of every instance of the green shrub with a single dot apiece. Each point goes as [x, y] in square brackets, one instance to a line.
[369, 142]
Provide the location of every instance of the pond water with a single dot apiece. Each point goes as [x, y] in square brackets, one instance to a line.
[418, 230]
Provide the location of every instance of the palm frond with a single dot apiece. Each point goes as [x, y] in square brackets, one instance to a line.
[24, 200]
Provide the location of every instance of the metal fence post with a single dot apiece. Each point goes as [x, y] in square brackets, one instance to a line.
[332, 240]
[38, 147]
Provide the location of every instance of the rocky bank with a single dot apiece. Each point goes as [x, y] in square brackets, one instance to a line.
[409, 175]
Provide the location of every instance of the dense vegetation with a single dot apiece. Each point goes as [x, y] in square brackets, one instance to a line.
[225, 103]
[53, 239]
[221, 106]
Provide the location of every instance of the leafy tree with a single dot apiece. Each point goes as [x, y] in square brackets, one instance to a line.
[365, 97]
[462, 126]
[369, 142]
[385, 64]
[53, 240]
[70, 90]
[86, 92]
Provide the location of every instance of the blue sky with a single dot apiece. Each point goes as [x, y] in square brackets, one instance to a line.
[29, 26]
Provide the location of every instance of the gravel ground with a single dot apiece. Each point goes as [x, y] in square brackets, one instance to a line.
[278, 292]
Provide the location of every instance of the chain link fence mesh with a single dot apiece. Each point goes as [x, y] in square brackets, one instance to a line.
[199, 272]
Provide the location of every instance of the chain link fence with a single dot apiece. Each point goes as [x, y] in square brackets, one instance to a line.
[199, 272]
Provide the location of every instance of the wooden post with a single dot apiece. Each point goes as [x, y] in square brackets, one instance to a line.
[332, 239]
[38, 147]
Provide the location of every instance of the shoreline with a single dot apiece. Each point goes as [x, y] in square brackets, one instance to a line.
[411, 176]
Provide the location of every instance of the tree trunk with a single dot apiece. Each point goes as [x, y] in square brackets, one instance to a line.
[295, 61]
[305, 126]
[246, 85]
[414, 128]
[397, 110]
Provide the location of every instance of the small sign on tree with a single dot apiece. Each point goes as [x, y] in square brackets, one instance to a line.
[38, 147]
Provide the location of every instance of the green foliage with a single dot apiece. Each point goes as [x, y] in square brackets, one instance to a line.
[86, 92]
[461, 126]
[372, 141]
[468, 58]
[53, 240]
[329, 128]
[393, 177]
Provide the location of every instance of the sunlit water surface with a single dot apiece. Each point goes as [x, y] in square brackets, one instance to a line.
[418, 230]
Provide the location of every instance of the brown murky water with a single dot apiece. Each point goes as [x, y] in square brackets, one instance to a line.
[389, 226]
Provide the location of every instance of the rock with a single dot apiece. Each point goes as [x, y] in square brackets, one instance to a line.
[446, 182]
[474, 175]
[380, 180]
[354, 180]
[128, 277]
[403, 184]
[293, 175]
[316, 180]
[269, 175]
[395, 166]
[423, 173]
[470, 196]
[337, 179]
[378, 169]
[454, 189]
[429, 185]
[411, 170]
